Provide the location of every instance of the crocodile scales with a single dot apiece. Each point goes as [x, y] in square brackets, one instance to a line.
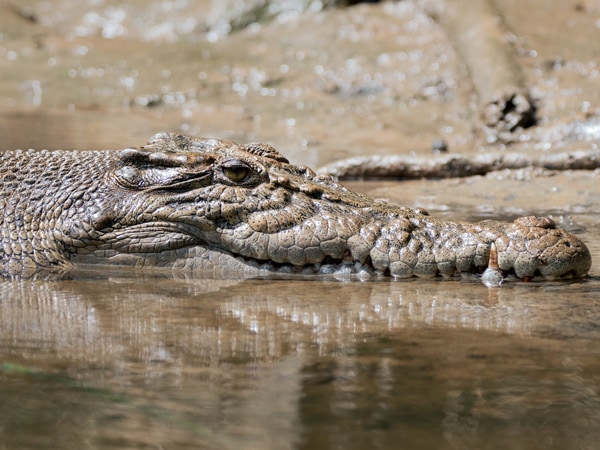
[205, 204]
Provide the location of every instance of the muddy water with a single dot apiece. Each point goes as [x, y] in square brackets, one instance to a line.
[131, 360]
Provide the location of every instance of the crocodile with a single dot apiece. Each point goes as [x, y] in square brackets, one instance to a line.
[181, 202]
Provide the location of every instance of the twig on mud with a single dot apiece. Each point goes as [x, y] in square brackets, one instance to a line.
[456, 165]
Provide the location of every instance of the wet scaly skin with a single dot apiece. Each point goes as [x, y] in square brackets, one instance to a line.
[184, 202]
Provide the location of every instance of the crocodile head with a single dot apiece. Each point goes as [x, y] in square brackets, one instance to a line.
[248, 202]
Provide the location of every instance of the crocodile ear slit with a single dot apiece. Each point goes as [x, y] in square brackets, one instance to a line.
[133, 157]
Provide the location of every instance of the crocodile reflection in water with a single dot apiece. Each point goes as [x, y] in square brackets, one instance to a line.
[206, 204]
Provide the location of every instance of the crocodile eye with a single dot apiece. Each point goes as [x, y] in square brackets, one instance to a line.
[236, 173]
[240, 173]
